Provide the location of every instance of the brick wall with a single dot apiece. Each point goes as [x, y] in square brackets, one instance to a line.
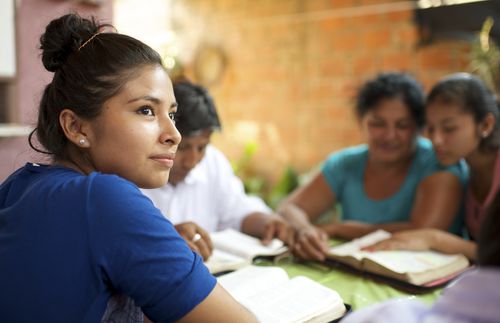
[293, 67]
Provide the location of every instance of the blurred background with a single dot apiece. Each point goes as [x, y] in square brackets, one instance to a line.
[283, 73]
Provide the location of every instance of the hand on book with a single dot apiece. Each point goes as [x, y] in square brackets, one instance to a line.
[197, 239]
[417, 240]
[311, 243]
[276, 227]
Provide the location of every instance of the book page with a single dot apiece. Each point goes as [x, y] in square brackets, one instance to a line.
[297, 300]
[403, 261]
[252, 280]
[353, 248]
[245, 246]
[221, 261]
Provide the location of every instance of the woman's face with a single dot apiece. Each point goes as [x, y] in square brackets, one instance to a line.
[390, 131]
[453, 132]
[135, 136]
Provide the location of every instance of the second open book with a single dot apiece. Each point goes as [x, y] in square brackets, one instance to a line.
[414, 267]
[233, 250]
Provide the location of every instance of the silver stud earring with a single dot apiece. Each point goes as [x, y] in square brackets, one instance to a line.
[484, 134]
[82, 141]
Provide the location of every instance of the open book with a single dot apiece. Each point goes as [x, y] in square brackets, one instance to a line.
[273, 297]
[414, 267]
[233, 250]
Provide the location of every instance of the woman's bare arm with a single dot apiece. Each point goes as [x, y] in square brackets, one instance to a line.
[437, 201]
[307, 202]
[428, 239]
[219, 306]
[301, 207]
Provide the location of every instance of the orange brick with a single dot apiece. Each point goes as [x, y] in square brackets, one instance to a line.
[365, 21]
[364, 64]
[332, 24]
[430, 58]
[333, 67]
[347, 41]
[399, 61]
[344, 3]
[348, 84]
[406, 36]
[322, 90]
[375, 2]
[399, 16]
[317, 5]
[376, 39]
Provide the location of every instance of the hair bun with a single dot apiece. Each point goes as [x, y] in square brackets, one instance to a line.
[62, 37]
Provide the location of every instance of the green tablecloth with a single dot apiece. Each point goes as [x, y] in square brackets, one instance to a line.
[354, 289]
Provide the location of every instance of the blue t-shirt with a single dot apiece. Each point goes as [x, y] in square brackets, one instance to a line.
[344, 173]
[68, 241]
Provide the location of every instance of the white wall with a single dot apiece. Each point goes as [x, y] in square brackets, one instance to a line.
[7, 40]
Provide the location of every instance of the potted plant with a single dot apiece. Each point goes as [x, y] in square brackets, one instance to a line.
[485, 57]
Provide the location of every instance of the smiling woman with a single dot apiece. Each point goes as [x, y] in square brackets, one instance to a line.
[106, 118]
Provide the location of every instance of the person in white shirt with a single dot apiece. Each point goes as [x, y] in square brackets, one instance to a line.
[203, 194]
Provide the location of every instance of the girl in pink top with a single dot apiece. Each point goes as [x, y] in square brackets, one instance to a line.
[462, 122]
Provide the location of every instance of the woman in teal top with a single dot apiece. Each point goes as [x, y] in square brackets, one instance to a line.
[393, 182]
[343, 171]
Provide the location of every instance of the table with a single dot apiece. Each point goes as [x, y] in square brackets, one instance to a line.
[355, 290]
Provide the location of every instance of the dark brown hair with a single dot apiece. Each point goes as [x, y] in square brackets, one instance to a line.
[392, 85]
[488, 249]
[196, 109]
[474, 97]
[90, 66]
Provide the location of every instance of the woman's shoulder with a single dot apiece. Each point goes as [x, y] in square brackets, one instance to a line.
[70, 183]
[71, 180]
[69, 189]
[352, 157]
[352, 152]
[109, 191]
[40, 179]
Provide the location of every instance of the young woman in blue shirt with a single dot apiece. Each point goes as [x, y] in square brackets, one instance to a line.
[78, 230]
